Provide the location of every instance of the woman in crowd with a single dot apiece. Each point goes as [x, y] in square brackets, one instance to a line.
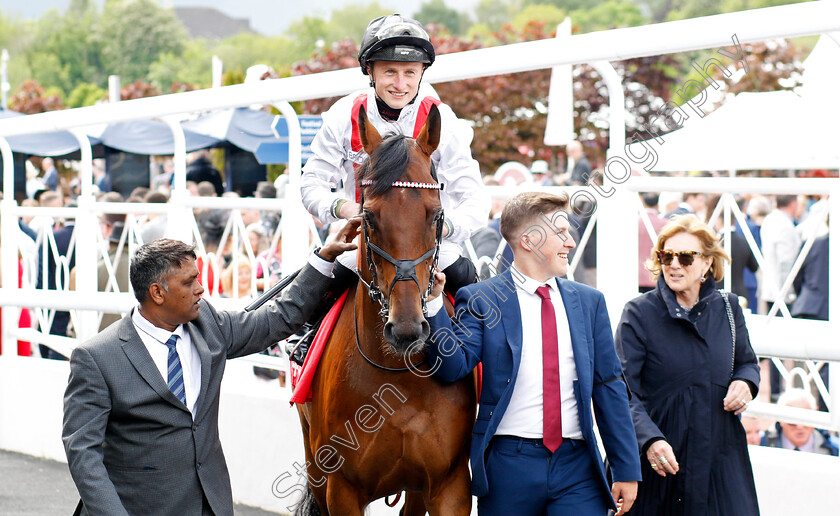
[238, 272]
[689, 363]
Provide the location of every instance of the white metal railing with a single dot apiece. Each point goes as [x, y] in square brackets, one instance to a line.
[617, 230]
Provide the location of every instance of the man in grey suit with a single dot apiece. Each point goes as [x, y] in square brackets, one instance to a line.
[142, 403]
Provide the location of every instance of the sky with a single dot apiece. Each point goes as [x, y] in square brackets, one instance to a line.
[269, 17]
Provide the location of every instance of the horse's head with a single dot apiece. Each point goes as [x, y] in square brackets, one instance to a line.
[403, 222]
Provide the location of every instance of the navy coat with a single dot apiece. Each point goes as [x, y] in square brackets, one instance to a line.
[677, 365]
[487, 328]
[811, 284]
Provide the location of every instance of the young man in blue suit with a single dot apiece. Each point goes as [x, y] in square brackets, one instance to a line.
[547, 351]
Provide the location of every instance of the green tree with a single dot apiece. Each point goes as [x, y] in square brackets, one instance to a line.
[566, 5]
[85, 94]
[63, 54]
[351, 21]
[551, 15]
[436, 12]
[495, 13]
[133, 33]
[309, 34]
[245, 50]
[193, 66]
[607, 15]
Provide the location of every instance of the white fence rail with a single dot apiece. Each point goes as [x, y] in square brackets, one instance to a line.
[616, 274]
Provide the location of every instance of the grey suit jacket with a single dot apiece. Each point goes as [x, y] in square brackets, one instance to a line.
[132, 447]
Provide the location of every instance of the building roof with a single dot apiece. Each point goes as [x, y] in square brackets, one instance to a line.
[209, 23]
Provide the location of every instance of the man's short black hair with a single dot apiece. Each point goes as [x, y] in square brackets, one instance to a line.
[153, 262]
[651, 199]
[783, 201]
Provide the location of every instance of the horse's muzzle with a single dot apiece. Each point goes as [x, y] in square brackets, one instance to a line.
[404, 335]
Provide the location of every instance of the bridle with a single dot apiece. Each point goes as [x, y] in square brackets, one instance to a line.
[405, 270]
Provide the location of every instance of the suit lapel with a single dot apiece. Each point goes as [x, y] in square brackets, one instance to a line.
[577, 330]
[511, 314]
[139, 357]
[204, 355]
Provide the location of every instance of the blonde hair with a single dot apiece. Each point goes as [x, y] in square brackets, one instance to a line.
[227, 276]
[709, 241]
[525, 208]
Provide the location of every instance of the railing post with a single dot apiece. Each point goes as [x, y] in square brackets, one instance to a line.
[295, 230]
[9, 249]
[178, 218]
[86, 247]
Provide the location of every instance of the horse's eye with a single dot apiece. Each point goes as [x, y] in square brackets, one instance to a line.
[368, 217]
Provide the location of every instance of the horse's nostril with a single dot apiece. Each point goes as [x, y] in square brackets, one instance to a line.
[424, 329]
[388, 332]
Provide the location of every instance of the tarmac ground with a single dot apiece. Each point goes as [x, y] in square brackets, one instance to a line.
[38, 487]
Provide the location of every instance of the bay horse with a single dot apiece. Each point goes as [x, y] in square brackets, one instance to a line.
[378, 423]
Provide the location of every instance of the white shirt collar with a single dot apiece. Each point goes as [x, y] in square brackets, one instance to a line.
[529, 284]
[159, 334]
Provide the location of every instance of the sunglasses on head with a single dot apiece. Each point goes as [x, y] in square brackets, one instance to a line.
[685, 258]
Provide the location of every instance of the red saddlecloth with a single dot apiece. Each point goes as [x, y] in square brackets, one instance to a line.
[302, 378]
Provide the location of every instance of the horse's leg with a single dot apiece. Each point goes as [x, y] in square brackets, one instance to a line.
[343, 499]
[414, 505]
[317, 490]
[451, 496]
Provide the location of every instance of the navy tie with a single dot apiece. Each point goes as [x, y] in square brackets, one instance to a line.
[175, 375]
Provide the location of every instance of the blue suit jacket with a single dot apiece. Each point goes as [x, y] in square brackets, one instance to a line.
[487, 328]
[811, 284]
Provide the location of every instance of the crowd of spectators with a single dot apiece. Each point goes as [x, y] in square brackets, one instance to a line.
[778, 225]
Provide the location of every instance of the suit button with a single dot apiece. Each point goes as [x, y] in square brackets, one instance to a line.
[198, 466]
[508, 381]
[491, 413]
[195, 428]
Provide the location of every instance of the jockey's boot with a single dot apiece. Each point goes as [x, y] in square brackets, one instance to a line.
[297, 345]
[460, 274]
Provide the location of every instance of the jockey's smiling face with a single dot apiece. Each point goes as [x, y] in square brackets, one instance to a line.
[396, 82]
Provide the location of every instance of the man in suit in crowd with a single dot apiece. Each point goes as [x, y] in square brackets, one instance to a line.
[141, 407]
[657, 222]
[547, 351]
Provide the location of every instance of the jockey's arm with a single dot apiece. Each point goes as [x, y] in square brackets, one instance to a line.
[465, 199]
[323, 173]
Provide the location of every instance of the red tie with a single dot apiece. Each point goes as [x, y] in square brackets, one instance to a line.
[552, 420]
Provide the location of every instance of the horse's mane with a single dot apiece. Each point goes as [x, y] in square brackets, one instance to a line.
[387, 165]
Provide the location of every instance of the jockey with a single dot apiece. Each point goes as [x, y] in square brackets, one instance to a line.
[395, 52]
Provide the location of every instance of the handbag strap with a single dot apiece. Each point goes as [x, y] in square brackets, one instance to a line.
[731, 318]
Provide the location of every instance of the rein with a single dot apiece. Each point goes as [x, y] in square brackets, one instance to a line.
[405, 270]
[370, 361]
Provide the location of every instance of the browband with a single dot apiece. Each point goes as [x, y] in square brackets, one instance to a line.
[407, 184]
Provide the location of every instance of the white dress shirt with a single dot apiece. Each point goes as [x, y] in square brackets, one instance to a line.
[524, 414]
[155, 338]
[780, 245]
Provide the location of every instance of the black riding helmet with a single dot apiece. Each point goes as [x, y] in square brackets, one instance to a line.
[395, 38]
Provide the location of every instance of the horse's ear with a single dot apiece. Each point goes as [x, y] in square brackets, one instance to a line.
[367, 133]
[429, 136]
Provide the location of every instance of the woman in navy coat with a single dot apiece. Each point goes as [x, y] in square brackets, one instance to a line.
[689, 381]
